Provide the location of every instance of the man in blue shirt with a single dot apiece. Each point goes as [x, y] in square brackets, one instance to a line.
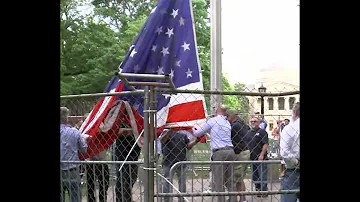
[71, 141]
[223, 150]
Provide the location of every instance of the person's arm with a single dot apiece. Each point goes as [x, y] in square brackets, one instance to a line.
[265, 141]
[125, 131]
[193, 143]
[165, 136]
[286, 142]
[204, 129]
[82, 141]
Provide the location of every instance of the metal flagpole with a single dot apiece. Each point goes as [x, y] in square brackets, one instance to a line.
[216, 52]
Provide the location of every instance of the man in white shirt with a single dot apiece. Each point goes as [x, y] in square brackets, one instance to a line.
[223, 150]
[290, 152]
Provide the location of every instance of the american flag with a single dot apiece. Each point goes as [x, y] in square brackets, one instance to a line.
[165, 45]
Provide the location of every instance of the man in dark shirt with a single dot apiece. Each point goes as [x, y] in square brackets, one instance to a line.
[258, 148]
[127, 176]
[240, 141]
[174, 147]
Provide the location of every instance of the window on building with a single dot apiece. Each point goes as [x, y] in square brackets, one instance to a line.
[291, 102]
[271, 103]
[281, 103]
[271, 125]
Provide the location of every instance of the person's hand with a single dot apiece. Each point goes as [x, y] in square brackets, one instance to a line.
[261, 157]
[86, 137]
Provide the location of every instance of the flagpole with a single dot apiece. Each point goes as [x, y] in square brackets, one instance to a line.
[216, 53]
[146, 145]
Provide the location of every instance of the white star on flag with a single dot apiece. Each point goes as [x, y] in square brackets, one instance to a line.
[170, 32]
[133, 52]
[160, 70]
[188, 73]
[181, 21]
[185, 46]
[159, 30]
[172, 73]
[154, 48]
[177, 63]
[165, 51]
[174, 13]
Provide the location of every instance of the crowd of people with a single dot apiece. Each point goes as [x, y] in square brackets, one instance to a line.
[231, 139]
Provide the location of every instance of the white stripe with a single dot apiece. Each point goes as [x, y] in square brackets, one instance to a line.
[98, 113]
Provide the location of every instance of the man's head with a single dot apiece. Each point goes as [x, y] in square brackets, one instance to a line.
[296, 111]
[255, 122]
[64, 114]
[221, 110]
[233, 115]
[286, 121]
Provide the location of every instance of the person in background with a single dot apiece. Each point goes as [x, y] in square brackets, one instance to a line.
[71, 142]
[282, 165]
[79, 123]
[290, 152]
[263, 122]
[258, 148]
[276, 137]
[127, 176]
[174, 149]
[99, 172]
[240, 141]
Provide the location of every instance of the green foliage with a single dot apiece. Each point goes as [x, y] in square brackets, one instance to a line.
[92, 46]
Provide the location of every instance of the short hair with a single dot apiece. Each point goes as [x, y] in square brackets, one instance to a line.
[64, 113]
[222, 108]
[232, 112]
[296, 109]
[256, 117]
[287, 120]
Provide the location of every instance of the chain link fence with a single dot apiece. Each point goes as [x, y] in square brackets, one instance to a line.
[176, 166]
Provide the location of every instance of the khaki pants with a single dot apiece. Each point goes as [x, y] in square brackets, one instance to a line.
[240, 169]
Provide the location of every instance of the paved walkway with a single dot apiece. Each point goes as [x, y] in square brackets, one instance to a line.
[194, 185]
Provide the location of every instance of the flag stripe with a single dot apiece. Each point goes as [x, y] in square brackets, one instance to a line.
[188, 111]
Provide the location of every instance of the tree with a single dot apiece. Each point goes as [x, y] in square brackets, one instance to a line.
[243, 100]
[93, 46]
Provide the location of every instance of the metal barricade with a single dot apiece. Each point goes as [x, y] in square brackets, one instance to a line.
[196, 194]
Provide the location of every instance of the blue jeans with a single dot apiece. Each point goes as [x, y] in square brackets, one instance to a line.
[290, 181]
[181, 174]
[259, 176]
[70, 180]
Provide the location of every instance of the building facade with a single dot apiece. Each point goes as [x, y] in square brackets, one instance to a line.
[275, 108]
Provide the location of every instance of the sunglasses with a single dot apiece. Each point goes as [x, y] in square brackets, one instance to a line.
[253, 121]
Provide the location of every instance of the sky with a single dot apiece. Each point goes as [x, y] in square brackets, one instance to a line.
[256, 34]
[259, 34]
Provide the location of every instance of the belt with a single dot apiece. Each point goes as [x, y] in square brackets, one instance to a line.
[222, 148]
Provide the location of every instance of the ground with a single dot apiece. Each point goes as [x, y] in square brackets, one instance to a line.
[194, 185]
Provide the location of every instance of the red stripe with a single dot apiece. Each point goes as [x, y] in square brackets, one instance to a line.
[101, 141]
[188, 111]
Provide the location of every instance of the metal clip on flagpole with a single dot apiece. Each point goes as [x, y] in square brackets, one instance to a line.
[124, 77]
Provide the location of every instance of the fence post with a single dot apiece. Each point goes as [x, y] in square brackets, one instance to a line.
[146, 146]
[152, 113]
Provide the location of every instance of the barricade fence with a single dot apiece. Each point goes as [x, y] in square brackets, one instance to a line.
[205, 170]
